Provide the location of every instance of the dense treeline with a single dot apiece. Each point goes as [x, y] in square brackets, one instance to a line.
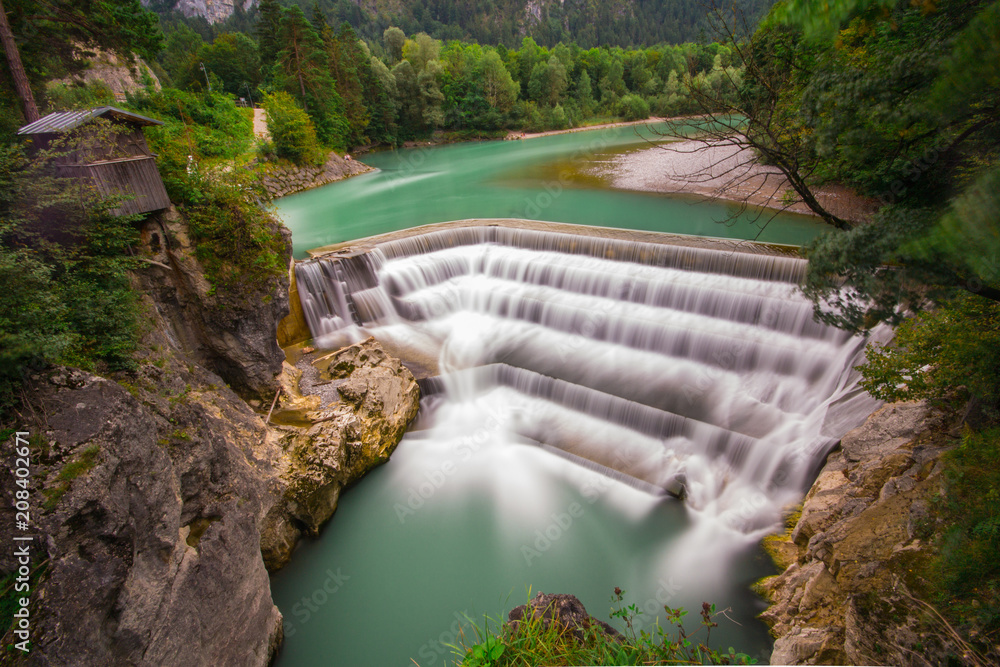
[549, 22]
[400, 88]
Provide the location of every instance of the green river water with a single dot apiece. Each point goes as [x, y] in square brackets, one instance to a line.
[434, 536]
[537, 179]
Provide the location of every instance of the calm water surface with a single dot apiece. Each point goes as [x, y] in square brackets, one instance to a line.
[534, 179]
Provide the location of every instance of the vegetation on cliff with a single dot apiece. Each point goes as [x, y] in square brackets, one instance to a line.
[899, 100]
[67, 295]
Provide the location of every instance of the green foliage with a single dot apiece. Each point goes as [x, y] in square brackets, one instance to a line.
[64, 263]
[208, 125]
[291, 130]
[233, 59]
[956, 346]
[237, 241]
[900, 104]
[964, 575]
[72, 470]
[64, 97]
[966, 238]
[303, 70]
[633, 107]
[537, 642]
[610, 23]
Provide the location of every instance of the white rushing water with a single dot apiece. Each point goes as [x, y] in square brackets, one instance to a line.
[667, 368]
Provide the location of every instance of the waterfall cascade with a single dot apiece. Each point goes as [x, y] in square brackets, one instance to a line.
[673, 369]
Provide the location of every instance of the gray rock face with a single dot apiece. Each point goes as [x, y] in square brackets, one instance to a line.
[152, 549]
[213, 10]
[345, 439]
[150, 493]
[235, 339]
[840, 599]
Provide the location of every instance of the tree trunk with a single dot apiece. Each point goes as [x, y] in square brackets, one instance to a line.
[21, 84]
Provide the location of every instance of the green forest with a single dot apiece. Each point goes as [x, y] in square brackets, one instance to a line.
[399, 87]
[617, 23]
[897, 99]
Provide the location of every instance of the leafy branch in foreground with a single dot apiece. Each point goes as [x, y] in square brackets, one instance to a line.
[541, 637]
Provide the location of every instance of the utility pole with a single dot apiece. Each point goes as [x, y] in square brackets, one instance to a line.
[21, 84]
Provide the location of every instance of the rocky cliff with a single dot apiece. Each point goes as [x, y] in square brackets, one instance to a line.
[844, 596]
[230, 335]
[155, 492]
[213, 10]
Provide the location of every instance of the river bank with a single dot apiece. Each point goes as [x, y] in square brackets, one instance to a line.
[721, 172]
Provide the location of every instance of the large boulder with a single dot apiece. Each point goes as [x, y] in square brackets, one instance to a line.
[566, 612]
[340, 441]
[841, 598]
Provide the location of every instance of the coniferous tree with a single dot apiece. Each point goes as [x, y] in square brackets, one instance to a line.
[268, 24]
[303, 70]
[346, 58]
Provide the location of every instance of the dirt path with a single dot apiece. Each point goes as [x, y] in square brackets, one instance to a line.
[260, 124]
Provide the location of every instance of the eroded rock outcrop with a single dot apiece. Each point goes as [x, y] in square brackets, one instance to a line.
[149, 522]
[233, 336]
[375, 399]
[841, 598]
[155, 492]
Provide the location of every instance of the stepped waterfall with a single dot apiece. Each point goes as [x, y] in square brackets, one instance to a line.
[683, 371]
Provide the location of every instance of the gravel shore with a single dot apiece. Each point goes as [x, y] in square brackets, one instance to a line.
[721, 172]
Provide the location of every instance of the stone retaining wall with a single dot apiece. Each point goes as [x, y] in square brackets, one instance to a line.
[285, 179]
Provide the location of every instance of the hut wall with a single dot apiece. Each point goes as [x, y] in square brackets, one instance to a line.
[137, 176]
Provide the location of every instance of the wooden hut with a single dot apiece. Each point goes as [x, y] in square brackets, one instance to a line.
[117, 162]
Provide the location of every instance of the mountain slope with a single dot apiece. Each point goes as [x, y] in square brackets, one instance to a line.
[586, 22]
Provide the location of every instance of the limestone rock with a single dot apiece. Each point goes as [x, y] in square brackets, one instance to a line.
[345, 440]
[152, 547]
[233, 335]
[834, 602]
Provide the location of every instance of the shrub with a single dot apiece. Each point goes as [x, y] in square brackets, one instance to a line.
[64, 270]
[964, 573]
[291, 130]
[207, 125]
[536, 642]
[633, 107]
[954, 349]
[237, 241]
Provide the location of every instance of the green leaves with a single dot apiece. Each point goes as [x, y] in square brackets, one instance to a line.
[950, 352]
[291, 130]
[822, 20]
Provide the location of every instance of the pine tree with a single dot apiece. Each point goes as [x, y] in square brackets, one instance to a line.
[268, 24]
[303, 70]
[346, 58]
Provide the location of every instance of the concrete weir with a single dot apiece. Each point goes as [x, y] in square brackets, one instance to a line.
[680, 365]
